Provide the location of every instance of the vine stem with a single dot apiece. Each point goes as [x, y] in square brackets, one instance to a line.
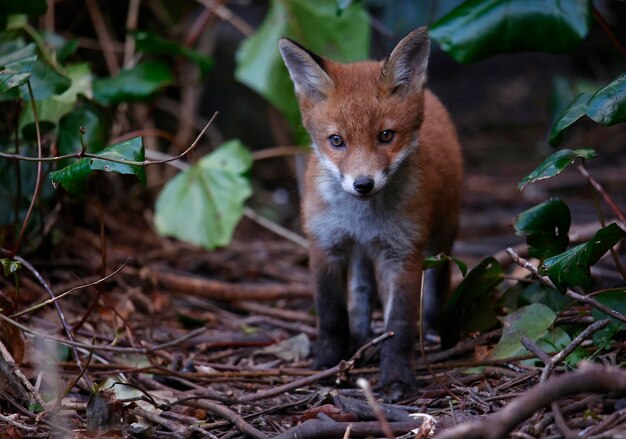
[596, 203]
[33, 103]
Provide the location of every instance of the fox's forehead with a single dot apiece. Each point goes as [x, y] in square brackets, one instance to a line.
[361, 103]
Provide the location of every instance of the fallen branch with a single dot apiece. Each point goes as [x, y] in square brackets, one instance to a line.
[314, 428]
[223, 291]
[588, 378]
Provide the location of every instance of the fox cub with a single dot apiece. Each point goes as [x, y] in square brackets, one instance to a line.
[381, 190]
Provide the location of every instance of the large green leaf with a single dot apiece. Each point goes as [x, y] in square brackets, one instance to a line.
[203, 204]
[74, 176]
[608, 105]
[138, 83]
[555, 164]
[574, 111]
[28, 7]
[539, 293]
[532, 321]
[16, 67]
[572, 268]
[147, 42]
[51, 110]
[469, 309]
[314, 25]
[546, 227]
[478, 29]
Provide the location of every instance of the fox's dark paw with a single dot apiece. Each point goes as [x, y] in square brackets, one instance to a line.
[397, 390]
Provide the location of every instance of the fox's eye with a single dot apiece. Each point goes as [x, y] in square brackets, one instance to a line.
[386, 136]
[336, 141]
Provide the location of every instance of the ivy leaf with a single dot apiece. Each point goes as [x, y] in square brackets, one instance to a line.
[532, 321]
[203, 204]
[616, 301]
[314, 25]
[45, 82]
[147, 42]
[469, 309]
[51, 110]
[477, 29]
[608, 105]
[138, 83]
[555, 164]
[74, 176]
[16, 67]
[440, 260]
[574, 111]
[572, 267]
[546, 227]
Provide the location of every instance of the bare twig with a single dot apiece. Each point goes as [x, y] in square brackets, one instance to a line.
[82, 154]
[342, 367]
[380, 416]
[131, 27]
[33, 200]
[569, 293]
[238, 421]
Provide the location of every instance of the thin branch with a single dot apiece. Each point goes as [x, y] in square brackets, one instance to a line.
[342, 367]
[569, 293]
[81, 154]
[378, 412]
[70, 291]
[278, 151]
[33, 200]
[131, 27]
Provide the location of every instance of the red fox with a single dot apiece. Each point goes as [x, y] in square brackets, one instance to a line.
[382, 188]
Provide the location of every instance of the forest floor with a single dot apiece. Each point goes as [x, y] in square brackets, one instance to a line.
[182, 342]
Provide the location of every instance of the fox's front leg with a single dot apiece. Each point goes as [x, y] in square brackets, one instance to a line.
[329, 270]
[401, 282]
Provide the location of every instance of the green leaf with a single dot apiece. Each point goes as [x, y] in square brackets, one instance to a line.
[312, 24]
[555, 164]
[532, 321]
[28, 7]
[469, 309]
[616, 300]
[440, 260]
[608, 105]
[203, 204]
[538, 293]
[546, 227]
[16, 67]
[572, 268]
[62, 47]
[74, 176]
[574, 111]
[478, 29]
[147, 42]
[51, 110]
[138, 83]
[45, 82]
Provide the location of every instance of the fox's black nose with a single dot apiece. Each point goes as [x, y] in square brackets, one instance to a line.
[363, 185]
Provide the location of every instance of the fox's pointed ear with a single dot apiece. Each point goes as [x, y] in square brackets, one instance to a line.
[306, 70]
[405, 69]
